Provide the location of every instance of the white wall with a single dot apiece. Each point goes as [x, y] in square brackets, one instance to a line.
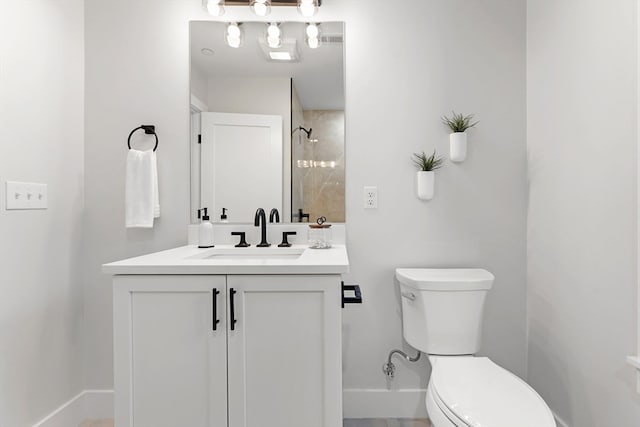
[41, 140]
[582, 139]
[441, 55]
[199, 85]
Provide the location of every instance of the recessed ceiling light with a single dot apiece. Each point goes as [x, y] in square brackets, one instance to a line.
[208, 52]
[280, 56]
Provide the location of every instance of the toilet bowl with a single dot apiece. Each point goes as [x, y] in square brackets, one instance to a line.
[442, 312]
[476, 392]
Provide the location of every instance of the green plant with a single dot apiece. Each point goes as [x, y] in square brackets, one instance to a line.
[427, 163]
[459, 122]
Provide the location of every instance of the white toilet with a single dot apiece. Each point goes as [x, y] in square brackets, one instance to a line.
[442, 316]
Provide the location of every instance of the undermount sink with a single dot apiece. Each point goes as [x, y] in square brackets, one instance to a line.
[251, 254]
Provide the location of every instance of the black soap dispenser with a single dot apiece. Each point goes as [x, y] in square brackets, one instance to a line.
[223, 217]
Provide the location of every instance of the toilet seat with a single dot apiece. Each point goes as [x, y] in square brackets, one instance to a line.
[475, 392]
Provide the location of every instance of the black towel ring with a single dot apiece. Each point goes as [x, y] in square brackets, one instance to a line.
[149, 130]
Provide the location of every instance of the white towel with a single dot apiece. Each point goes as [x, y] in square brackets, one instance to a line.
[142, 202]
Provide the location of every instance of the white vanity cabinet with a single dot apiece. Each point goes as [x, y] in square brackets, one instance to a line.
[273, 359]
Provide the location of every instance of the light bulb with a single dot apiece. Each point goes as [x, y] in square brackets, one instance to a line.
[261, 7]
[313, 31]
[233, 30]
[234, 42]
[215, 7]
[274, 42]
[234, 35]
[274, 39]
[307, 8]
[313, 42]
[273, 30]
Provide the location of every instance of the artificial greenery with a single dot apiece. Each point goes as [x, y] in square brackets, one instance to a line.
[459, 122]
[427, 163]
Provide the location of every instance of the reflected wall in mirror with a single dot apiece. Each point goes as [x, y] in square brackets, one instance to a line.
[267, 122]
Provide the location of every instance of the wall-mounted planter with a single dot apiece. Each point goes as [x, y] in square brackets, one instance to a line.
[458, 146]
[425, 184]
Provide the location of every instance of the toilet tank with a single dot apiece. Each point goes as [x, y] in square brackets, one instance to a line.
[442, 309]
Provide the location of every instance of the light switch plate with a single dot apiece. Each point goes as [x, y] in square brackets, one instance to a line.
[25, 195]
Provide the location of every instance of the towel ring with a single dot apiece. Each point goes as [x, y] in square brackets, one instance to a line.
[149, 130]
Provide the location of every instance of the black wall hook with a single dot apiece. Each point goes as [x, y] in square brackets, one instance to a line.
[149, 130]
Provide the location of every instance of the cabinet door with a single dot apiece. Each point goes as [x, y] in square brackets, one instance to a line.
[284, 353]
[170, 365]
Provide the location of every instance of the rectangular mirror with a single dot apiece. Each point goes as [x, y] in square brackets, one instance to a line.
[267, 120]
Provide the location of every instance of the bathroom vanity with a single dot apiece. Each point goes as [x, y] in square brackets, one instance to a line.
[245, 337]
[238, 337]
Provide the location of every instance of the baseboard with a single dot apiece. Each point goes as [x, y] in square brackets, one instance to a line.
[559, 421]
[87, 405]
[357, 403]
[382, 403]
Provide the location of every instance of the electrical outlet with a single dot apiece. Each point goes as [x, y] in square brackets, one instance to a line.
[371, 197]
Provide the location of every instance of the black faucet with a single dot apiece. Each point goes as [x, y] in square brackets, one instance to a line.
[261, 216]
[302, 215]
[274, 213]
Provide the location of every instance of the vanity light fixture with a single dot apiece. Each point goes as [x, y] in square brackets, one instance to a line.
[261, 7]
[234, 35]
[308, 8]
[274, 36]
[214, 7]
[313, 35]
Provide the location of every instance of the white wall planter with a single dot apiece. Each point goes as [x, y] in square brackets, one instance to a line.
[458, 146]
[425, 184]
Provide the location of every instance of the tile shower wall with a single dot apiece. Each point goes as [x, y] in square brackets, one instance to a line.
[297, 153]
[323, 179]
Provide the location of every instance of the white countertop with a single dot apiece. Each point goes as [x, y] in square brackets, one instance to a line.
[193, 260]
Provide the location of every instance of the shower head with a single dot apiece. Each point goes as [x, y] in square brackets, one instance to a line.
[308, 132]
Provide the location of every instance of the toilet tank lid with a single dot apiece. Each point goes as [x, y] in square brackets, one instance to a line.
[445, 279]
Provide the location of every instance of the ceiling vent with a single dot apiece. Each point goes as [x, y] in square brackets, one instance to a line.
[288, 51]
[332, 39]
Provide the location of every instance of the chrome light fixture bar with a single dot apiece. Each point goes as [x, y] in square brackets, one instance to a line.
[307, 8]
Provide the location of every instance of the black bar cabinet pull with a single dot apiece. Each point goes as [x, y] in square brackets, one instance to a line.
[356, 299]
[232, 293]
[214, 299]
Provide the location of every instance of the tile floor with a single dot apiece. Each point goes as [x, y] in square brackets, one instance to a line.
[387, 423]
[97, 423]
[347, 423]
